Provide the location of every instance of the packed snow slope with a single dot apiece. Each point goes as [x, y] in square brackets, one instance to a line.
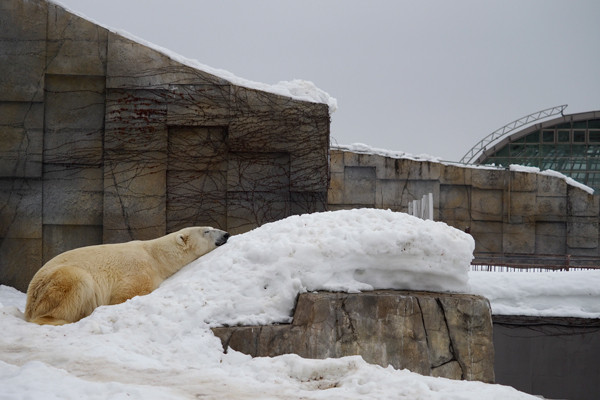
[160, 346]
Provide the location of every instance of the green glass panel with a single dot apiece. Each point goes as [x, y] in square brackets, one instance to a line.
[579, 164]
[548, 150]
[594, 124]
[517, 150]
[563, 164]
[578, 136]
[594, 136]
[503, 152]
[563, 137]
[533, 137]
[548, 163]
[548, 136]
[533, 151]
[521, 140]
[593, 151]
[580, 125]
[593, 164]
[564, 125]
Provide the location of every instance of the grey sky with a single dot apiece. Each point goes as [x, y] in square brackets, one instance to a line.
[429, 77]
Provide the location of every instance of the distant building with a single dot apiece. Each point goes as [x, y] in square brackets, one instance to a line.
[569, 144]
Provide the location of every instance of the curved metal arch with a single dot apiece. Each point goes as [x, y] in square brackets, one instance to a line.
[480, 147]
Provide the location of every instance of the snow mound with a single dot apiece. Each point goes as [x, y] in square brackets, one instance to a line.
[348, 250]
[159, 346]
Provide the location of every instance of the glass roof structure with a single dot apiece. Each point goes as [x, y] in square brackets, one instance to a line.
[569, 144]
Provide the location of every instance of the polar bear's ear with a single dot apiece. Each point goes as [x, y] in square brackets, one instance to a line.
[182, 239]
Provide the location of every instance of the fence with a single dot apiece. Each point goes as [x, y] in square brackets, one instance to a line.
[533, 263]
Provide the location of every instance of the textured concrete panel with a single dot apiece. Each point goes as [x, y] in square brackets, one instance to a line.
[551, 186]
[582, 232]
[75, 45]
[551, 208]
[19, 261]
[488, 178]
[258, 172]
[582, 204]
[74, 119]
[21, 205]
[335, 192]
[523, 181]
[73, 195]
[519, 238]
[248, 210]
[550, 238]
[307, 202]
[487, 236]
[455, 201]
[22, 50]
[199, 105]
[454, 175]
[359, 186]
[336, 161]
[487, 205]
[521, 204]
[134, 201]
[21, 139]
[197, 148]
[396, 194]
[132, 65]
[61, 238]
[135, 123]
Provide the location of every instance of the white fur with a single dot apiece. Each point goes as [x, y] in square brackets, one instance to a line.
[72, 284]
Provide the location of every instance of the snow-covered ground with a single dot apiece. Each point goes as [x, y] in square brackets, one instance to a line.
[160, 346]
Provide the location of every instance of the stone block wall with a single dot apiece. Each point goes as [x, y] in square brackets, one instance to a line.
[515, 215]
[103, 139]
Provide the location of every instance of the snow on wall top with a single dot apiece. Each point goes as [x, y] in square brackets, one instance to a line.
[361, 148]
[297, 89]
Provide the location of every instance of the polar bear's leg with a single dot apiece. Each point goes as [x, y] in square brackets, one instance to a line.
[66, 295]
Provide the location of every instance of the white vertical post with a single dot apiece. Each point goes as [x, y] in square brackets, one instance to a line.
[430, 208]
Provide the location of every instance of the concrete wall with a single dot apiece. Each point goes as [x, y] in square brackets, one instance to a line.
[512, 214]
[553, 357]
[105, 140]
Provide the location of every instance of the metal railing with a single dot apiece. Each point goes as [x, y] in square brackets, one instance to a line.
[482, 145]
[533, 263]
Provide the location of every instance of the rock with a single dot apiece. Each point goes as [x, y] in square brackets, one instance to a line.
[437, 334]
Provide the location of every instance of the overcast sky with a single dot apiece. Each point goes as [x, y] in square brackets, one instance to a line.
[430, 77]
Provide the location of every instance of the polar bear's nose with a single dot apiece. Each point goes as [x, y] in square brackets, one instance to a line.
[223, 239]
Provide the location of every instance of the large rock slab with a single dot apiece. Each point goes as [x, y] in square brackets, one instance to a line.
[437, 334]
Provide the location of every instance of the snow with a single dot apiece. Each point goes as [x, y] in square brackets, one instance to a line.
[159, 346]
[543, 294]
[297, 89]
[362, 148]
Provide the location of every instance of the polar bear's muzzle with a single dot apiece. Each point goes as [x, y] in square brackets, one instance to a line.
[222, 239]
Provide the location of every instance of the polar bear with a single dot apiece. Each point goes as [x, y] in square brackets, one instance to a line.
[71, 285]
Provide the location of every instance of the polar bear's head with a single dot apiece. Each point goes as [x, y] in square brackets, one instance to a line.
[199, 240]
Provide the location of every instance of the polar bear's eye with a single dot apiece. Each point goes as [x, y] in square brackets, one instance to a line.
[206, 232]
